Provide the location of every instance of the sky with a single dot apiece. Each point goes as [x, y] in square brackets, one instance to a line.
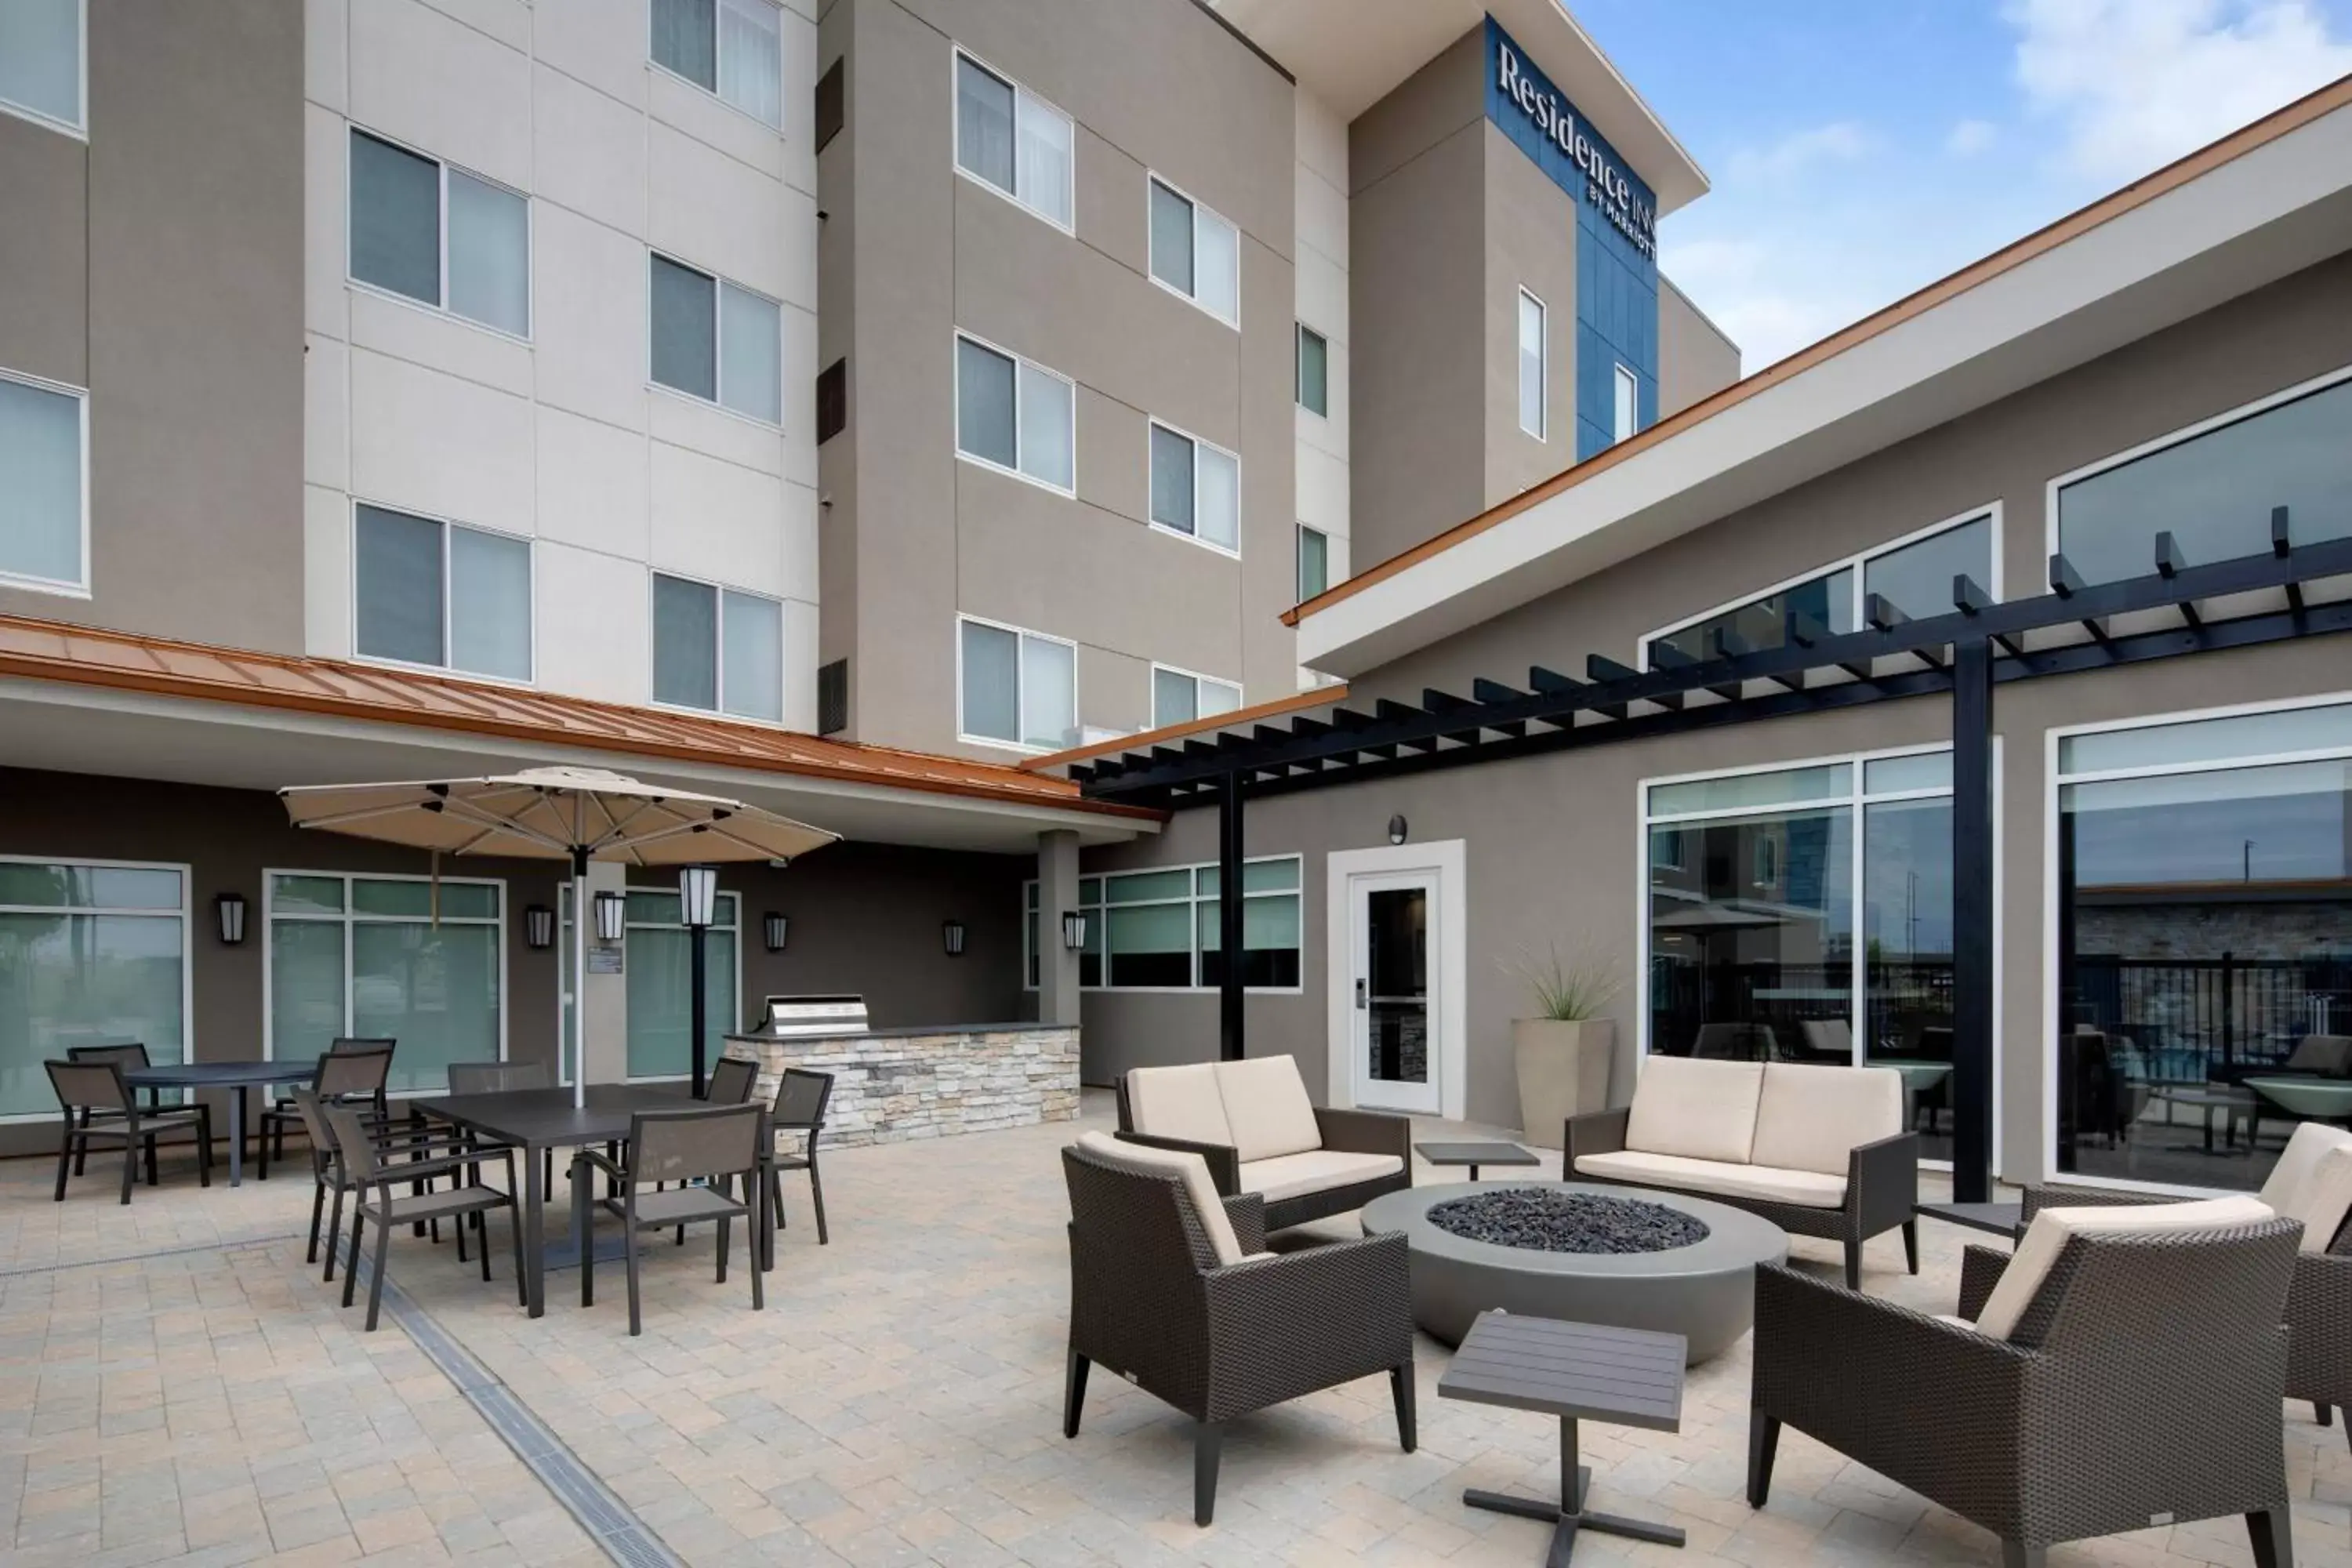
[1860, 149]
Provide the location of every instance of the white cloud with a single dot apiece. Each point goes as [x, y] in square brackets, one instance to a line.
[1841, 142]
[2136, 83]
[1971, 137]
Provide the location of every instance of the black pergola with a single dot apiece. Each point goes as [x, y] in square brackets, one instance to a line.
[2073, 628]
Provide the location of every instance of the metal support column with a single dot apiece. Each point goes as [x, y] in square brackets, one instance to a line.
[1972, 920]
[1229, 917]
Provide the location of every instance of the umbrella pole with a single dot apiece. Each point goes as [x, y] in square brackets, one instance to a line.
[579, 978]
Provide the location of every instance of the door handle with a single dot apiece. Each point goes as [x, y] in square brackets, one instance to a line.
[1362, 1001]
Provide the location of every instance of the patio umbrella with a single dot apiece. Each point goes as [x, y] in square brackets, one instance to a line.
[558, 814]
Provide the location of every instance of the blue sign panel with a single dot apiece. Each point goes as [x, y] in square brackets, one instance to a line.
[1616, 238]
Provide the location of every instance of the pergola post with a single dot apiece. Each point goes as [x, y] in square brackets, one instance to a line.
[1972, 920]
[1229, 917]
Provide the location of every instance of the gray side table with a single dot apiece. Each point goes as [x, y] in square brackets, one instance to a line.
[1475, 1155]
[1631, 1377]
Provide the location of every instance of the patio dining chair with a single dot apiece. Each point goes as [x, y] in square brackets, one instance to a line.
[731, 1082]
[126, 1054]
[501, 1078]
[710, 1143]
[368, 1169]
[349, 1070]
[801, 1097]
[100, 1107]
[330, 1171]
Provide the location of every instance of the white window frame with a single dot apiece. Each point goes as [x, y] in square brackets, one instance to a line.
[1022, 99]
[718, 655]
[1991, 510]
[2054, 783]
[717, 43]
[187, 941]
[1097, 911]
[1541, 430]
[1233, 550]
[2320, 383]
[955, 372]
[719, 283]
[76, 590]
[1625, 389]
[1152, 177]
[439, 307]
[1020, 688]
[79, 131]
[349, 918]
[734, 936]
[1196, 677]
[530, 549]
[1300, 332]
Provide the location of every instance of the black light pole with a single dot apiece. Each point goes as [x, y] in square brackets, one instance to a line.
[1231, 1047]
[697, 899]
[1972, 920]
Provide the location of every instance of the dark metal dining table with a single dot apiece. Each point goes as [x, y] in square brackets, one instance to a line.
[242, 1077]
[534, 1121]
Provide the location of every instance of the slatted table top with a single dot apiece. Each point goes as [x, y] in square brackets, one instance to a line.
[1631, 1377]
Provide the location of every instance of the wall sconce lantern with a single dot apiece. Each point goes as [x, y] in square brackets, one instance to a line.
[1396, 829]
[539, 927]
[611, 916]
[697, 895]
[230, 910]
[952, 934]
[774, 927]
[1074, 930]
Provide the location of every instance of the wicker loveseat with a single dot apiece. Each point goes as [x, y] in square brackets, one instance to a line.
[1254, 1124]
[1818, 1150]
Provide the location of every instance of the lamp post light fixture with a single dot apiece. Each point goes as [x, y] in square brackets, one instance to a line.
[229, 908]
[952, 934]
[611, 916]
[698, 895]
[698, 905]
[539, 927]
[1074, 930]
[774, 927]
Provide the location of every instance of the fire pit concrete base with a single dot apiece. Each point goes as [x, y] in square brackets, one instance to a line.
[1705, 1292]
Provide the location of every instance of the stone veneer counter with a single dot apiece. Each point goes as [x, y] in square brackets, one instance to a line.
[892, 1086]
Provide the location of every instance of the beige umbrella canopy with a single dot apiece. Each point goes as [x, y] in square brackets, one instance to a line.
[558, 814]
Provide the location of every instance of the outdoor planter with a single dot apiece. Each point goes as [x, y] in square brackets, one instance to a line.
[1563, 1071]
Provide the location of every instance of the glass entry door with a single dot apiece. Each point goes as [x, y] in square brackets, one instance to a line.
[1395, 1054]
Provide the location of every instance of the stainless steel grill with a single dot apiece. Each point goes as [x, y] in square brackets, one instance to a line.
[790, 1016]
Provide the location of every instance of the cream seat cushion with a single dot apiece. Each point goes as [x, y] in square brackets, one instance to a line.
[1267, 1108]
[2301, 1157]
[1142, 1159]
[2324, 1202]
[1314, 1171]
[1178, 1102]
[1770, 1184]
[1696, 1108]
[1812, 1117]
[2047, 1237]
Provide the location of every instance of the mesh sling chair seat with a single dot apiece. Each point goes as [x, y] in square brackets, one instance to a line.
[710, 1144]
[500, 1078]
[100, 1107]
[128, 1055]
[801, 1097]
[368, 1170]
[349, 1070]
[2139, 1383]
[731, 1082]
[330, 1172]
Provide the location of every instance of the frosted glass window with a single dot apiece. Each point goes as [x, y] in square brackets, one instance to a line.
[1628, 410]
[1745, 792]
[41, 494]
[1314, 376]
[751, 657]
[1196, 253]
[1219, 489]
[751, 354]
[1041, 173]
[1048, 427]
[489, 604]
[490, 255]
[685, 643]
[1532, 351]
[1178, 698]
[397, 566]
[89, 955]
[1314, 563]
[984, 404]
[1012, 140]
[685, 40]
[429, 593]
[685, 328]
[659, 962]
[1195, 488]
[1049, 692]
[984, 124]
[1015, 414]
[1017, 687]
[751, 60]
[40, 58]
[395, 219]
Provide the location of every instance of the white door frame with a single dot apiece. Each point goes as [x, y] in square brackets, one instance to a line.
[1449, 961]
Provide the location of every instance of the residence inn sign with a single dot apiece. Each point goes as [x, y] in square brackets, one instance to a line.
[1522, 101]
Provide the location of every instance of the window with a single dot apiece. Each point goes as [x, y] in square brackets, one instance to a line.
[1765, 945]
[1314, 563]
[1160, 929]
[435, 594]
[1196, 253]
[1629, 405]
[91, 952]
[412, 959]
[2213, 487]
[43, 509]
[1196, 489]
[658, 959]
[730, 47]
[1015, 416]
[719, 649]
[1179, 697]
[1012, 141]
[1533, 354]
[439, 236]
[1018, 689]
[41, 65]
[1314, 374]
[717, 342]
[1913, 574]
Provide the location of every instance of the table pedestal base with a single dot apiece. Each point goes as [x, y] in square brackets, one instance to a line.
[1571, 1517]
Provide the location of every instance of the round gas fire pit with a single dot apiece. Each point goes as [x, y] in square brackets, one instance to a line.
[1582, 1253]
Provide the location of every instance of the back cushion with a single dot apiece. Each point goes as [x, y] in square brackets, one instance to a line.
[1142, 1159]
[2327, 1054]
[1178, 1102]
[1267, 1108]
[2052, 1229]
[1811, 1118]
[2298, 1159]
[2324, 1199]
[1699, 1109]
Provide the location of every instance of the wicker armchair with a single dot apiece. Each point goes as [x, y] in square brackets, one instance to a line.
[1150, 1301]
[2140, 1385]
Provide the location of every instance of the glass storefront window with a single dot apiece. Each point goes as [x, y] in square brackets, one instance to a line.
[1158, 929]
[89, 955]
[659, 966]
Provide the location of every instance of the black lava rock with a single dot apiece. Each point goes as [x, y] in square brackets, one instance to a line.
[1545, 1219]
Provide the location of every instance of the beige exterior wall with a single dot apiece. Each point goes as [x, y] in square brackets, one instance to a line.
[1694, 359]
[1531, 233]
